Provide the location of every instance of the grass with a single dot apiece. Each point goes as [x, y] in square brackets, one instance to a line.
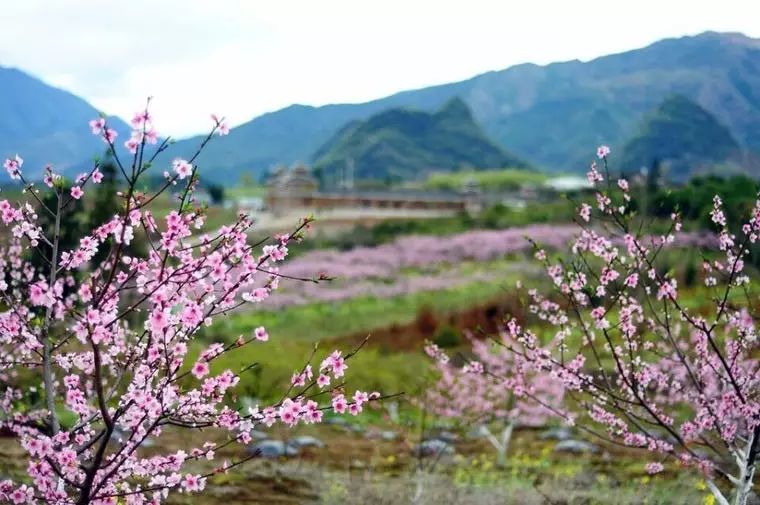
[247, 191]
[488, 180]
[320, 321]
[295, 331]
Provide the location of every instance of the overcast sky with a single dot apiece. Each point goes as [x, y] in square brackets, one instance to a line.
[244, 58]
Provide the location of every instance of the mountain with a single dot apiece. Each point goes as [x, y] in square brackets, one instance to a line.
[403, 144]
[553, 116]
[681, 135]
[45, 124]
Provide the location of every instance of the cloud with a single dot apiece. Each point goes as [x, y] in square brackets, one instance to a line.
[243, 58]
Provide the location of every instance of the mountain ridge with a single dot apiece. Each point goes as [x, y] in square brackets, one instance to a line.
[45, 124]
[405, 143]
[550, 115]
[599, 101]
[684, 137]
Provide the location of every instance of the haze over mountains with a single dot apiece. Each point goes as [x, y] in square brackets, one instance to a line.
[551, 116]
[45, 124]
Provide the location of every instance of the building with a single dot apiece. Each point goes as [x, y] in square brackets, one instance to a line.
[296, 190]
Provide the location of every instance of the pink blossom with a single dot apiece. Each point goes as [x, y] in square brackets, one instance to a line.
[109, 135]
[261, 334]
[653, 468]
[585, 212]
[200, 369]
[127, 324]
[13, 166]
[182, 168]
[193, 483]
[339, 404]
[97, 125]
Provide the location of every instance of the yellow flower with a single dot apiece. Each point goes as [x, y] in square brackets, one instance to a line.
[709, 500]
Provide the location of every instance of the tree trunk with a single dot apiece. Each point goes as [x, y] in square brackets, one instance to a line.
[501, 444]
[506, 437]
[747, 471]
[419, 487]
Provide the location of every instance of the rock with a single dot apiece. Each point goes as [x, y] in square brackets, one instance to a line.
[306, 441]
[273, 449]
[336, 421]
[259, 435]
[356, 428]
[447, 437]
[576, 447]
[432, 447]
[558, 434]
[387, 435]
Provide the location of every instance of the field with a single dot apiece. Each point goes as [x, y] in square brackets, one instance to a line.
[487, 180]
[389, 289]
[365, 468]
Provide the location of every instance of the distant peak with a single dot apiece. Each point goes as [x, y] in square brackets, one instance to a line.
[730, 38]
[455, 108]
[678, 103]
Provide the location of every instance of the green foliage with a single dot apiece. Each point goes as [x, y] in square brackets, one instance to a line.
[216, 193]
[447, 337]
[694, 200]
[683, 136]
[408, 144]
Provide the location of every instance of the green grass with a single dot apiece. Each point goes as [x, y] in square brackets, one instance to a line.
[488, 180]
[294, 331]
[324, 320]
[245, 191]
[371, 369]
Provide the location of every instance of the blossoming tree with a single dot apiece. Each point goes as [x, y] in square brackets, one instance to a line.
[492, 388]
[647, 368]
[96, 358]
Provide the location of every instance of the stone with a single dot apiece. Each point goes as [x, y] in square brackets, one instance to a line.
[433, 447]
[356, 428]
[447, 437]
[336, 421]
[386, 435]
[558, 434]
[306, 441]
[576, 447]
[259, 435]
[273, 449]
